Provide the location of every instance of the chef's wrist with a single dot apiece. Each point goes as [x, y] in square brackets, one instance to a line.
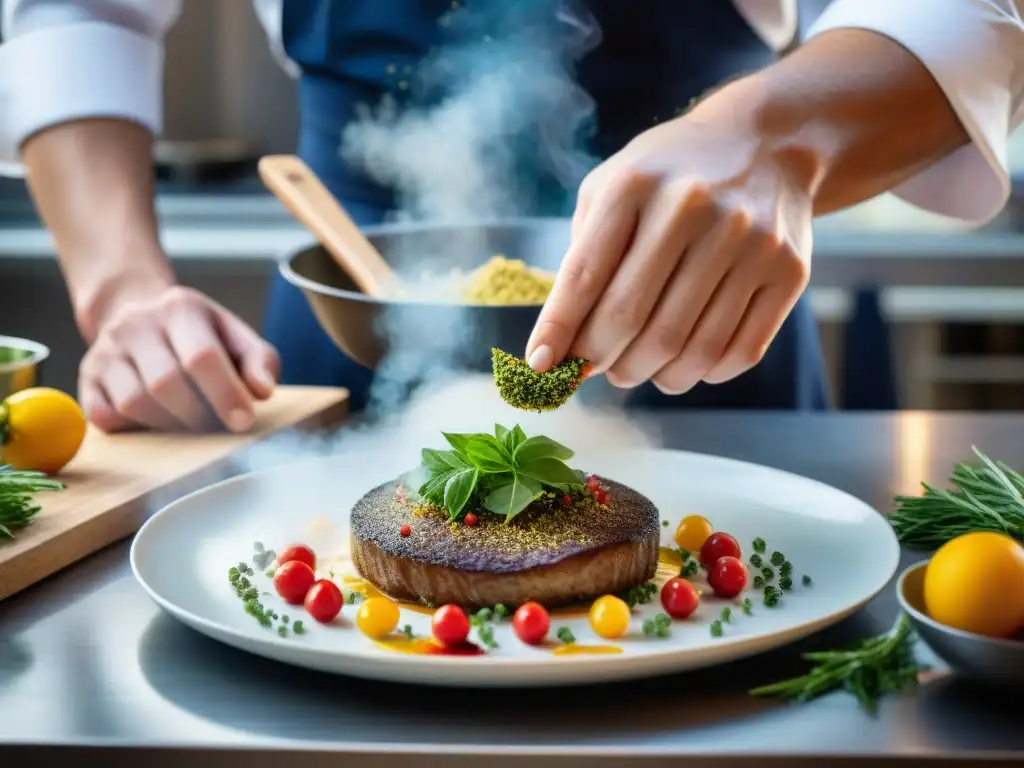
[99, 293]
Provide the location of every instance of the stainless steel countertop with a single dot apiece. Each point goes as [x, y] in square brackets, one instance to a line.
[86, 660]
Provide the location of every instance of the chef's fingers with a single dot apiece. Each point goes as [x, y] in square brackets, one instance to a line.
[195, 342]
[674, 218]
[257, 360]
[126, 391]
[588, 265]
[689, 290]
[165, 379]
[98, 409]
[712, 334]
[761, 322]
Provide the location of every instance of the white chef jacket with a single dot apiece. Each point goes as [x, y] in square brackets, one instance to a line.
[71, 59]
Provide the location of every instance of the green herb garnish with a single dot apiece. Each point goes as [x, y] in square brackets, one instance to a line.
[777, 559]
[17, 497]
[772, 595]
[565, 635]
[298, 628]
[522, 387]
[756, 561]
[503, 473]
[500, 612]
[407, 631]
[716, 628]
[767, 573]
[727, 614]
[806, 580]
[640, 595]
[786, 583]
[748, 607]
[989, 497]
[786, 569]
[867, 669]
[758, 582]
[759, 545]
[690, 569]
[659, 626]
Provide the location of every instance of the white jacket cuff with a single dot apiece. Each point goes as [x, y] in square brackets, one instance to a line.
[975, 51]
[75, 71]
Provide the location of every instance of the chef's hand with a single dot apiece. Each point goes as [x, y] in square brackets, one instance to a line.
[689, 248]
[175, 360]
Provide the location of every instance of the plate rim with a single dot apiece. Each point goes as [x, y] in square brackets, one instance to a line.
[612, 667]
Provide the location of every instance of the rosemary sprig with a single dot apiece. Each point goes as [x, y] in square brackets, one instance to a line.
[868, 669]
[17, 497]
[989, 497]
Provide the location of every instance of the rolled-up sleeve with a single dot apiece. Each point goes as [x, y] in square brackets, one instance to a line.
[975, 51]
[64, 60]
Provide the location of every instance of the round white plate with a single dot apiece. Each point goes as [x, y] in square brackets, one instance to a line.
[182, 554]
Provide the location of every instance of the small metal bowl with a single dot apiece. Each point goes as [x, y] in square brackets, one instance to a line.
[983, 659]
[21, 364]
[421, 333]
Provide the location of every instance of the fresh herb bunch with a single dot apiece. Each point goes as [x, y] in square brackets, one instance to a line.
[18, 506]
[502, 473]
[867, 669]
[989, 497]
[522, 387]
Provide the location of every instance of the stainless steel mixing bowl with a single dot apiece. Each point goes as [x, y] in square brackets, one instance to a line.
[21, 363]
[366, 329]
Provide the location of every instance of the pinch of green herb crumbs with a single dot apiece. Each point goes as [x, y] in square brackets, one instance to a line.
[756, 561]
[285, 619]
[768, 573]
[759, 545]
[684, 554]
[640, 595]
[486, 635]
[484, 614]
[500, 612]
[282, 630]
[786, 569]
[690, 569]
[727, 614]
[806, 580]
[522, 387]
[565, 635]
[407, 631]
[659, 626]
[251, 594]
[664, 523]
[772, 595]
[258, 546]
[786, 583]
[758, 582]
[242, 567]
[233, 575]
[298, 628]
[716, 628]
[269, 573]
[747, 606]
[777, 558]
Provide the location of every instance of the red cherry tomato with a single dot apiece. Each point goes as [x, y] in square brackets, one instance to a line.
[298, 552]
[471, 519]
[324, 600]
[292, 581]
[531, 622]
[728, 576]
[450, 626]
[679, 598]
[719, 545]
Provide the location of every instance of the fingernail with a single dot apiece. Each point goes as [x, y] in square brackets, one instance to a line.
[240, 420]
[264, 379]
[541, 358]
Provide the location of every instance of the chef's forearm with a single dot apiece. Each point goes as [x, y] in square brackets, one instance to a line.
[853, 113]
[92, 183]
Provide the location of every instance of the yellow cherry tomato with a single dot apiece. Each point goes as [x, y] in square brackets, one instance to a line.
[692, 532]
[975, 583]
[609, 617]
[42, 428]
[377, 617]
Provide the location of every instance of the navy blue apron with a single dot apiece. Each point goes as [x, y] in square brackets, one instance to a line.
[653, 58]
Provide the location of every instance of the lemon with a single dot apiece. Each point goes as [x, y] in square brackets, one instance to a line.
[975, 583]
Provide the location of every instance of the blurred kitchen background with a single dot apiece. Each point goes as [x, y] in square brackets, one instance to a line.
[952, 300]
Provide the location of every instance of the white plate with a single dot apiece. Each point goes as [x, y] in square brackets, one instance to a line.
[182, 554]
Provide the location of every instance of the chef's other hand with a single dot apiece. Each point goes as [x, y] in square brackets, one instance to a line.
[175, 361]
[689, 249]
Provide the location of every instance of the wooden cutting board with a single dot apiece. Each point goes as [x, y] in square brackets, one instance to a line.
[115, 482]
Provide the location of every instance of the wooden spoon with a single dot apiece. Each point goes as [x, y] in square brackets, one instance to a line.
[295, 185]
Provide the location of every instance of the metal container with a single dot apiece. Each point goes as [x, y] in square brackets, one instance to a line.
[421, 332]
[21, 364]
[983, 659]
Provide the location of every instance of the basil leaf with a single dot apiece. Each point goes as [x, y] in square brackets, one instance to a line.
[512, 498]
[441, 461]
[540, 447]
[485, 453]
[458, 489]
[500, 431]
[549, 472]
[459, 442]
[513, 439]
[433, 489]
